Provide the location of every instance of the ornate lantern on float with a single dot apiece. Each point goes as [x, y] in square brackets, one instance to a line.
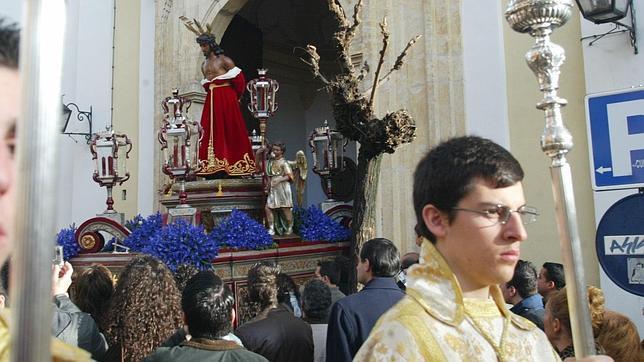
[263, 101]
[180, 137]
[327, 146]
[110, 151]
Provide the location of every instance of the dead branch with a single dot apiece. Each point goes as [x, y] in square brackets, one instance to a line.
[351, 32]
[385, 44]
[399, 61]
[314, 63]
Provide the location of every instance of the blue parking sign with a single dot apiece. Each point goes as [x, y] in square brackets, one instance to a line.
[616, 138]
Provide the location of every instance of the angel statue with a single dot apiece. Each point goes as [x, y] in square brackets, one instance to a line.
[279, 202]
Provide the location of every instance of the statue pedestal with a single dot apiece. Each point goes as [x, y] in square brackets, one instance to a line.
[215, 199]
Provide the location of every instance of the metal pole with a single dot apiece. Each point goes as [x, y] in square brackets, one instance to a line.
[540, 18]
[41, 55]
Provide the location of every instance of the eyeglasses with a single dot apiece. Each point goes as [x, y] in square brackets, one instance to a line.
[501, 213]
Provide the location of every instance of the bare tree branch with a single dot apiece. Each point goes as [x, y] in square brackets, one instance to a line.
[399, 61]
[385, 44]
[314, 63]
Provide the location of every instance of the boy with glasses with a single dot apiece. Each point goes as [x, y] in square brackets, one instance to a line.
[471, 212]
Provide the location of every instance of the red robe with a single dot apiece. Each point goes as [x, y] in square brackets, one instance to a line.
[222, 122]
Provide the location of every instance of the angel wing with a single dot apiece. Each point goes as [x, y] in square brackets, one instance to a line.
[300, 169]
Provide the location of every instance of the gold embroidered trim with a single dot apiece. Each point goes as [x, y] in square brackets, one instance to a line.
[243, 167]
[425, 341]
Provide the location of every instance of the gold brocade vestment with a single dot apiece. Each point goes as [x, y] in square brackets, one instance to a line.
[60, 351]
[435, 323]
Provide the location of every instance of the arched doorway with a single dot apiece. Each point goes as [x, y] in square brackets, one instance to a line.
[271, 34]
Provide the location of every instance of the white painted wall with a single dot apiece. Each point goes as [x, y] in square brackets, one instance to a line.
[484, 70]
[611, 65]
[87, 81]
[147, 141]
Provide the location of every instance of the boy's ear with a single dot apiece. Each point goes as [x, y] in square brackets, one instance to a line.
[435, 221]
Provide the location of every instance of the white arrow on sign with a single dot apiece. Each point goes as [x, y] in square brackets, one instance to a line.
[603, 169]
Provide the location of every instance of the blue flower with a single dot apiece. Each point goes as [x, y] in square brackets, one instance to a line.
[142, 231]
[182, 243]
[239, 231]
[315, 225]
[67, 239]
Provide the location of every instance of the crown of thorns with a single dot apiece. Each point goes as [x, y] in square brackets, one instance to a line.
[196, 27]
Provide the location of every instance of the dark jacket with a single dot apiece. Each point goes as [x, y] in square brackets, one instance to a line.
[531, 308]
[77, 328]
[353, 317]
[198, 349]
[279, 336]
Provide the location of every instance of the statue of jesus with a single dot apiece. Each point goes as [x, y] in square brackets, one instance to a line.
[225, 147]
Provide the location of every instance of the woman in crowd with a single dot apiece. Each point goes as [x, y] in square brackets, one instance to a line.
[619, 337]
[145, 310]
[93, 291]
[556, 320]
[288, 294]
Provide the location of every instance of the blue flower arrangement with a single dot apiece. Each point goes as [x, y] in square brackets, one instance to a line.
[240, 232]
[142, 231]
[314, 225]
[181, 243]
[67, 239]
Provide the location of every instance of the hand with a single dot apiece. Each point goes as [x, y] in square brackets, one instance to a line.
[275, 181]
[61, 278]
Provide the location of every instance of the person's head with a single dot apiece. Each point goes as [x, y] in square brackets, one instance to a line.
[316, 300]
[208, 45]
[466, 189]
[278, 149]
[378, 258]
[619, 337]
[551, 278]
[556, 319]
[145, 308]
[207, 305]
[262, 284]
[409, 259]
[9, 115]
[286, 290]
[328, 271]
[93, 289]
[183, 273]
[523, 283]
[345, 265]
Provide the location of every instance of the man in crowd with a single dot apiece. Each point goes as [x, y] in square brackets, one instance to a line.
[208, 311]
[316, 300]
[521, 292]
[551, 279]
[275, 333]
[329, 272]
[470, 210]
[353, 317]
[9, 119]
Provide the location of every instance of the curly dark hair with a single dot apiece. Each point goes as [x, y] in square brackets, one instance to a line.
[316, 300]
[262, 284]
[92, 293]
[183, 274]
[145, 309]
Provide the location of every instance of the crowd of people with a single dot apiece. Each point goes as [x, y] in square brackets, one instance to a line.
[448, 303]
